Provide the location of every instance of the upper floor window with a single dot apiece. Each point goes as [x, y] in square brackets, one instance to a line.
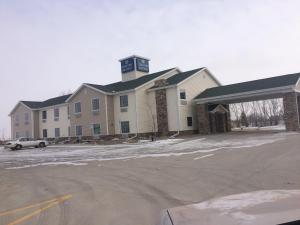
[95, 104]
[17, 119]
[56, 114]
[26, 118]
[44, 115]
[77, 108]
[124, 101]
[182, 95]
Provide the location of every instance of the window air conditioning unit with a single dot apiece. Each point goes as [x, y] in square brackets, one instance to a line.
[183, 102]
[124, 109]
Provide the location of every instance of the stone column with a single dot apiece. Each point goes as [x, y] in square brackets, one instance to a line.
[212, 123]
[291, 115]
[203, 118]
[228, 118]
[161, 108]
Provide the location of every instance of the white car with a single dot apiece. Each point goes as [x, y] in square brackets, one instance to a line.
[24, 143]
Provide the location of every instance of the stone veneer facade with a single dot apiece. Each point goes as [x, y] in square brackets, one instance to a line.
[203, 119]
[291, 111]
[161, 108]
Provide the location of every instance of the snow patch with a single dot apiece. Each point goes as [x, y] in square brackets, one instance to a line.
[205, 156]
[47, 164]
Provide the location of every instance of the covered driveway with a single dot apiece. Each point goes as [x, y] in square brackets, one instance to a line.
[212, 105]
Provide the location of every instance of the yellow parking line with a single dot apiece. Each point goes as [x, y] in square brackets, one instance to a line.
[29, 206]
[38, 211]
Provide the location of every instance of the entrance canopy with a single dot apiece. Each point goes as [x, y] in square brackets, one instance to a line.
[268, 88]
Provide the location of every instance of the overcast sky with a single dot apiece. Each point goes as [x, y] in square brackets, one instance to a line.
[50, 47]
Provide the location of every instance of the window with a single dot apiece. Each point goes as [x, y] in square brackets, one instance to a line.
[56, 114]
[189, 121]
[182, 94]
[95, 104]
[69, 131]
[44, 115]
[68, 110]
[77, 108]
[57, 132]
[27, 134]
[124, 101]
[96, 129]
[45, 133]
[26, 118]
[17, 134]
[78, 131]
[125, 127]
[17, 118]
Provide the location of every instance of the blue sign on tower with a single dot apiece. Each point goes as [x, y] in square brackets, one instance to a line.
[142, 65]
[127, 65]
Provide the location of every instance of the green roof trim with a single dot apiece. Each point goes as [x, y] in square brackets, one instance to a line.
[49, 102]
[255, 85]
[177, 78]
[129, 85]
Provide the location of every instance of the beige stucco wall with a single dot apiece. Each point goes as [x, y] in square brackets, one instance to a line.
[50, 124]
[110, 114]
[22, 127]
[130, 115]
[87, 117]
[172, 107]
[193, 87]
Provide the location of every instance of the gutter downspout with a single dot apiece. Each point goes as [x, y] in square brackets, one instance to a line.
[178, 116]
[107, 132]
[136, 120]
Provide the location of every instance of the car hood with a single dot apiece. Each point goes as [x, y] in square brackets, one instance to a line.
[270, 207]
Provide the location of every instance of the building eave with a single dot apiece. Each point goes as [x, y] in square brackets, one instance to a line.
[244, 95]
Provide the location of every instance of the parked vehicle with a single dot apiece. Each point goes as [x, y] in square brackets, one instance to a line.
[25, 143]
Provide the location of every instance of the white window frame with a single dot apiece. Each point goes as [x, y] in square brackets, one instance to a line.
[44, 119]
[56, 118]
[26, 118]
[77, 113]
[94, 129]
[127, 101]
[76, 131]
[182, 91]
[44, 133]
[56, 129]
[95, 110]
[128, 127]
[187, 121]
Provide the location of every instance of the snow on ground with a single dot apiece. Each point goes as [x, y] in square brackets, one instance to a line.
[276, 128]
[80, 154]
[241, 206]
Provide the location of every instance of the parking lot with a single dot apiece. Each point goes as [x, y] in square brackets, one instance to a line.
[132, 183]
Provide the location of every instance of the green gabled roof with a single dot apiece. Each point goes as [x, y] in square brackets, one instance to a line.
[128, 85]
[177, 78]
[32, 104]
[255, 85]
[49, 102]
